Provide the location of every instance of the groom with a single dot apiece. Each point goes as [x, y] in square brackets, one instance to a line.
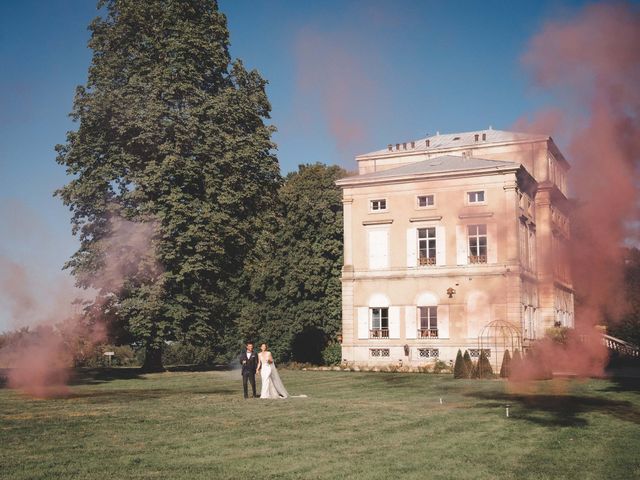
[249, 362]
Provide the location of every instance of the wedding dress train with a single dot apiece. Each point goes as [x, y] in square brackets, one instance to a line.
[272, 386]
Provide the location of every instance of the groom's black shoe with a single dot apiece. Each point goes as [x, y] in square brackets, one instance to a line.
[256, 396]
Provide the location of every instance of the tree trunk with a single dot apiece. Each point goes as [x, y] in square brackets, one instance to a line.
[153, 360]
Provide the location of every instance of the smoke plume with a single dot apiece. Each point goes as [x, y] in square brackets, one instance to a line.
[590, 65]
[335, 87]
[57, 326]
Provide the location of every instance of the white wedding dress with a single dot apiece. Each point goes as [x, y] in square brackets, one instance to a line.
[272, 386]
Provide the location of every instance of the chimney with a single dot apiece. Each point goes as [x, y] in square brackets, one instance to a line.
[477, 137]
[484, 137]
[390, 147]
[413, 144]
[428, 143]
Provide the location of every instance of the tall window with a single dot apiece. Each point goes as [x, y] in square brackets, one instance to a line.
[378, 205]
[428, 322]
[379, 323]
[475, 197]
[477, 235]
[427, 246]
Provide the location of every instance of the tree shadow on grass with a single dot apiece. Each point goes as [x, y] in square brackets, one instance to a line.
[557, 410]
[129, 395]
[97, 376]
[623, 384]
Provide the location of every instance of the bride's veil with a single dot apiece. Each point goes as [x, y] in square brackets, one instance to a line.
[277, 383]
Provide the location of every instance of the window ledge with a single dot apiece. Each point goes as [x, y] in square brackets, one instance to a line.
[475, 215]
[377, 222]
[435, 218]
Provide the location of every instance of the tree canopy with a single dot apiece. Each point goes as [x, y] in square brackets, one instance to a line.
[171, 133]
[294, 300]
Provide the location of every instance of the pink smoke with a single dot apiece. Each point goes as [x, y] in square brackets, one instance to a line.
[591, 65]
[334, 87]
[61, 334]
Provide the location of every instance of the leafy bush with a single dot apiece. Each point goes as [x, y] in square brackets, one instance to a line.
[441, 367]
[124, 356]
[559, 335]
[332, 354]
[180, 353]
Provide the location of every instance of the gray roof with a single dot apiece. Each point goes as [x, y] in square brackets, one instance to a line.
[445, 163]
[463, 139]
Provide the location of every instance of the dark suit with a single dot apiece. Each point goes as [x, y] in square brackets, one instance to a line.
[249, 367]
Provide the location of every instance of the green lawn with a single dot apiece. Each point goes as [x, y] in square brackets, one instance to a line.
[352, 425]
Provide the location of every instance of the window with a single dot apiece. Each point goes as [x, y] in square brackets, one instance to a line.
[475, 352]
[427, 246]
[379, 323]
[426, 201]
[379, 352]
[428, 353]
[475, 197]
[428, 322]
[477, 235]
[378, 205]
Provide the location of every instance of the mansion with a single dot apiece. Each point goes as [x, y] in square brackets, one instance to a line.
[449, 233]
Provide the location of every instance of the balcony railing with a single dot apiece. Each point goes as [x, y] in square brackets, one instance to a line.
[428, 333]
[477, 259]
[379, 333]
[426, 261]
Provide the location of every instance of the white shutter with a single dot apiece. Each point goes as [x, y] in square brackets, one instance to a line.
[378, 249]
[363, 322]
[412, 240]
[410, 328]
[492, 243]
[441, 243]
[462, 248]
[443, 321]
[394, 322]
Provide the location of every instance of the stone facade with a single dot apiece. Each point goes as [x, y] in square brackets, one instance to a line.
[446, 234]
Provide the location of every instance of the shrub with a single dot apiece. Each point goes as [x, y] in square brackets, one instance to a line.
[440, 367]
[124, 356]
[469, 363]
[559, 335]
[180, 353]
[483, 367]
[516, 365]
[505, 369]
[332, 354]
[460, 367]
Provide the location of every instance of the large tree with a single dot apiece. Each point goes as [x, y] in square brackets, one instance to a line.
[171, 133]
[294, 299]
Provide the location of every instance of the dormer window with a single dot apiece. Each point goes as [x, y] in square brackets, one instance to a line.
[475, 197]
[378, 205]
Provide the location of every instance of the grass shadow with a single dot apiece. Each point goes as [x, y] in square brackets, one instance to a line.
[96, 376]
[623, 384]
[557, 410]
[199, 368]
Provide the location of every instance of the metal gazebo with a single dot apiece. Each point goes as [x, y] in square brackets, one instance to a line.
[495, 338]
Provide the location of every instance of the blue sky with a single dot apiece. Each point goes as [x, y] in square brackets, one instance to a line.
[384, 71]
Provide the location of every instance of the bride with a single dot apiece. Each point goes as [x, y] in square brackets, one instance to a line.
[272, 386]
